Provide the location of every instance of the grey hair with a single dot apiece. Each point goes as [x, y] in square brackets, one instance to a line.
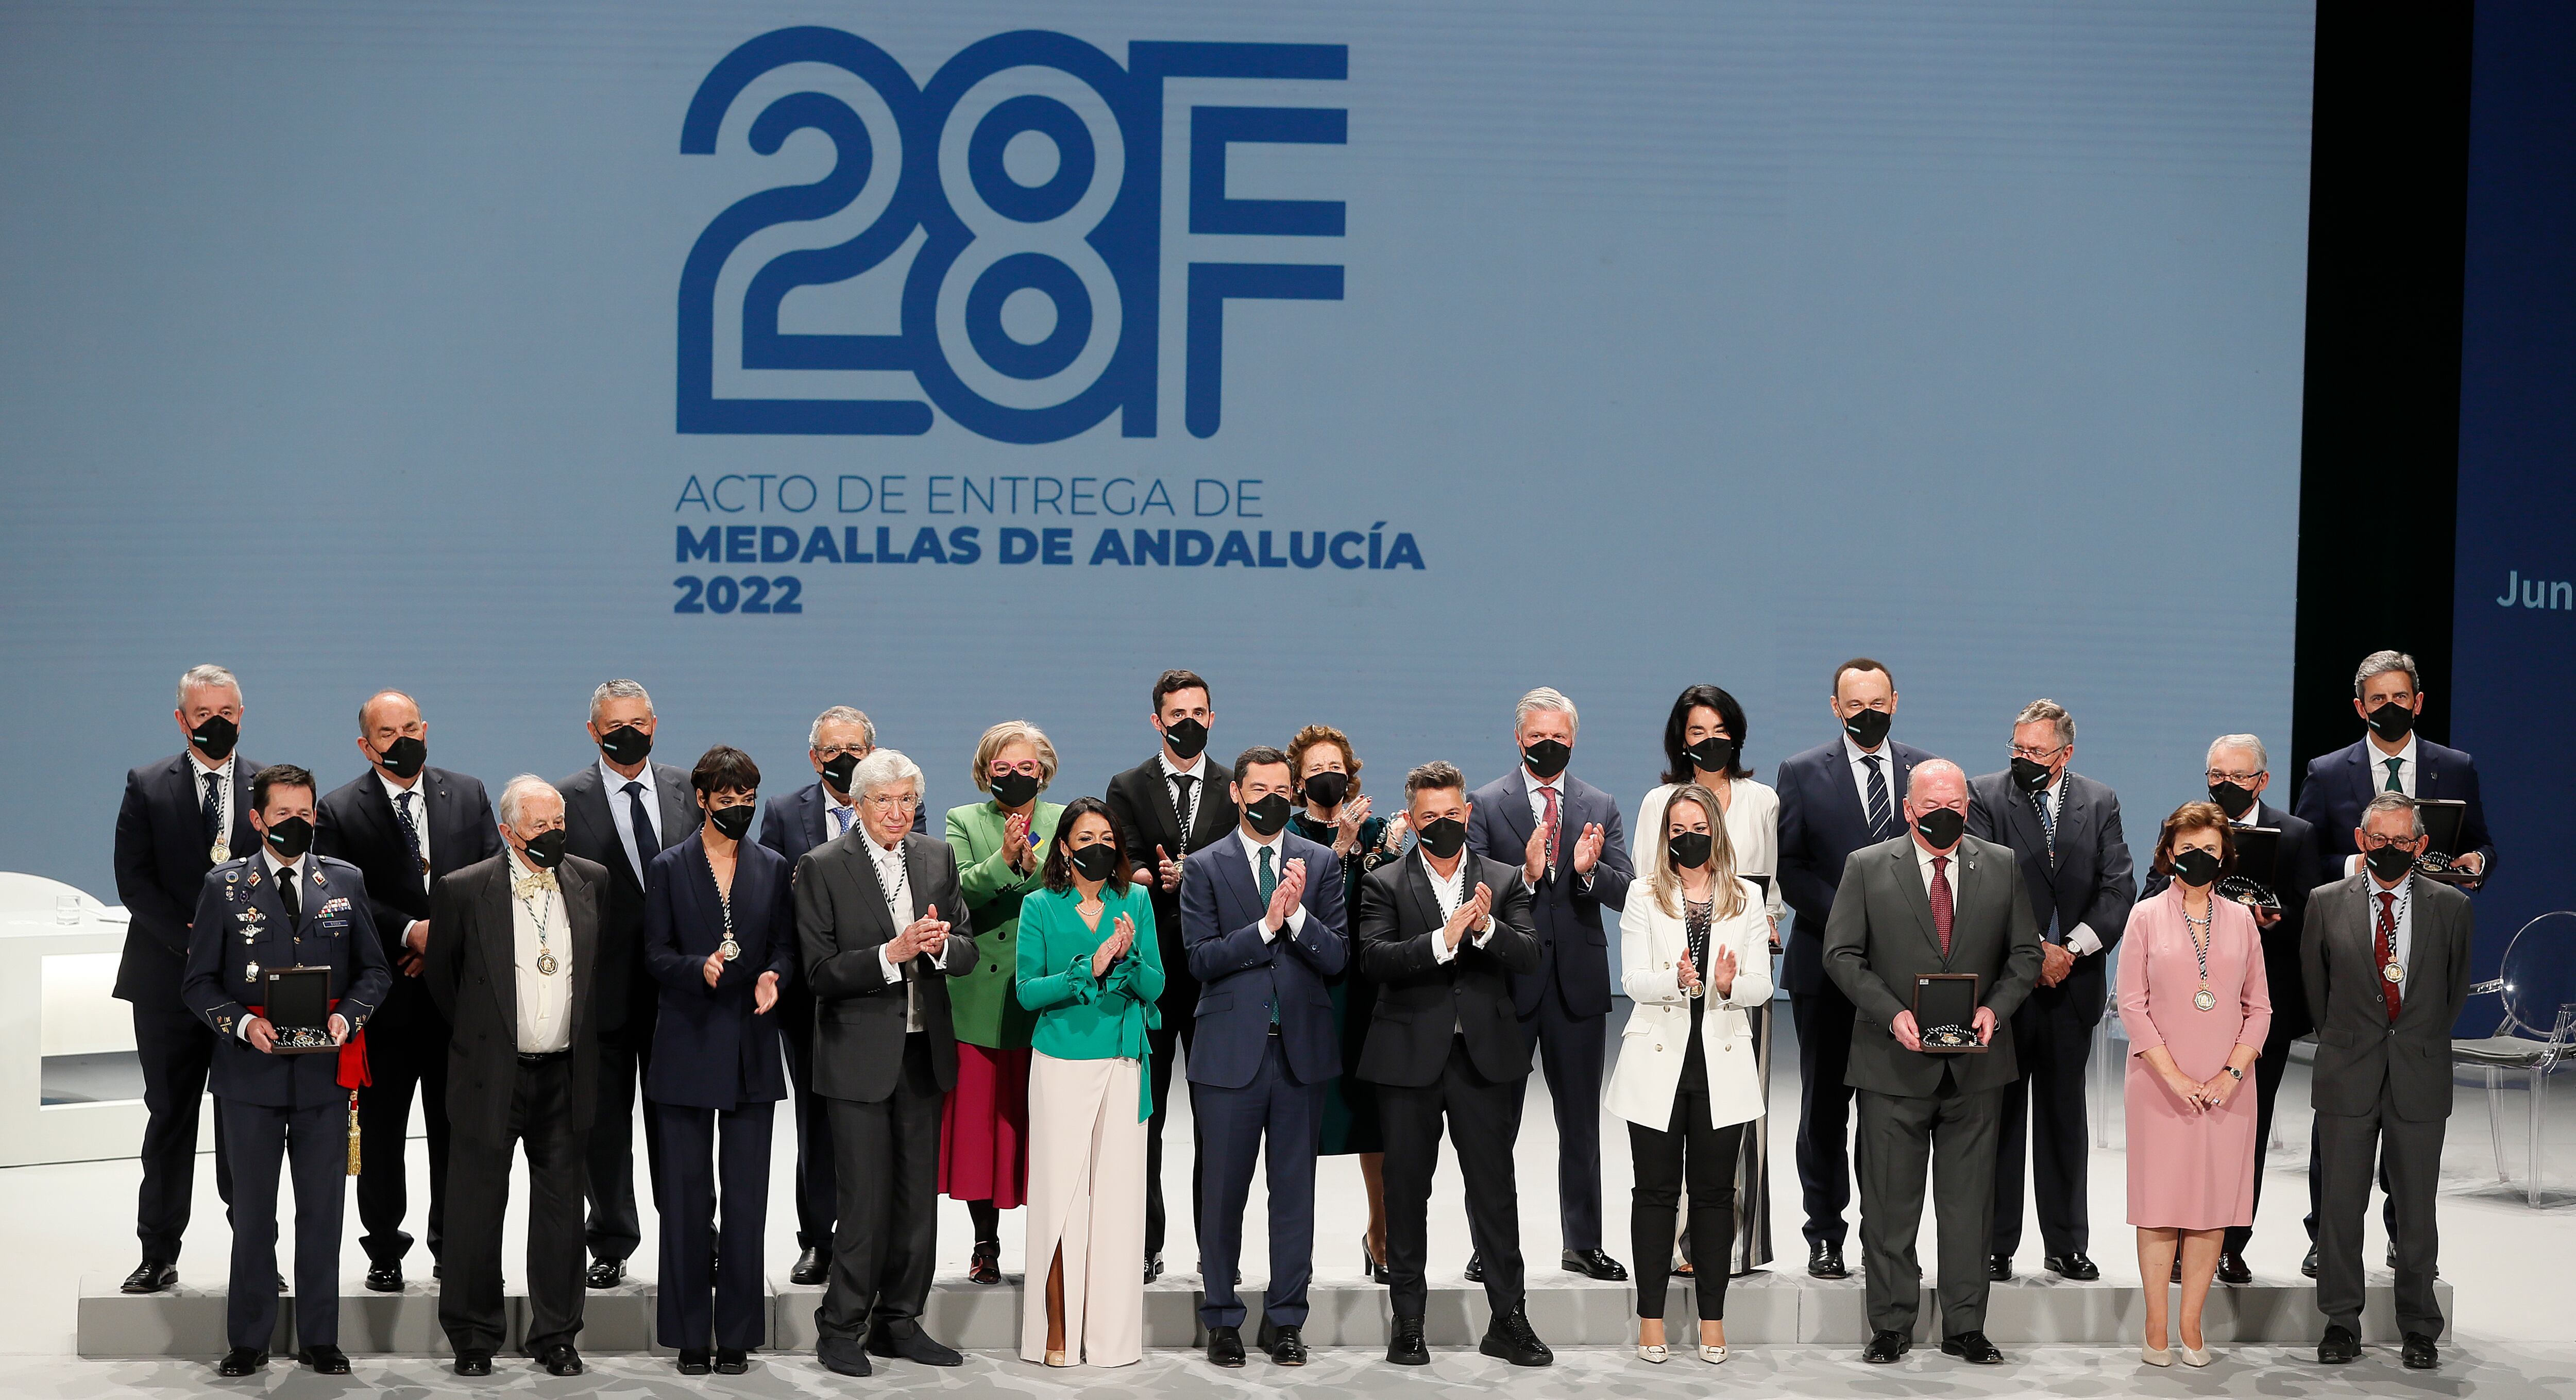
[515, 793]
[2045, 710]
[618, 690]
[200, 677]
[1914, 779]
[884, 768]
[369, 703]
[2380, 663]
[2394, 802]
[2248, 742]
[840, 714]
[1546, 698]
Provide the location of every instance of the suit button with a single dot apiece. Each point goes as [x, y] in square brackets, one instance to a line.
[1659, 1045]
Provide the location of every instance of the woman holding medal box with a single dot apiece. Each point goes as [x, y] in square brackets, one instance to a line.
[2196, 1006]
[719, 936]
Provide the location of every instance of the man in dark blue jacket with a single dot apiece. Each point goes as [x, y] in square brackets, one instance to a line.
[2388, 694]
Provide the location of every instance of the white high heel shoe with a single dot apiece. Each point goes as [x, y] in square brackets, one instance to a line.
[2195, 1357]
[1714, 1356]
[2155, 1356]
[1655, 1352]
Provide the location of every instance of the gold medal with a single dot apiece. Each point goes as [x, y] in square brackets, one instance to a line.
[222, 852]
[2393, 973]
[730, 949]
[546, 964]
[2205, 999]
[250, 973]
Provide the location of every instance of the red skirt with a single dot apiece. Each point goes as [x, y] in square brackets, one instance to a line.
[984, 1129]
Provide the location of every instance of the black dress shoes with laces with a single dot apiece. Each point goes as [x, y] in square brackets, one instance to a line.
[150, 1276]
[243, 1361]
[1225, 1347]
[2339, 1347]
[473, 1363]
[1476, 1268]
[1886, 1348]
[384, 1278]
[605, 1273]
[1593, 1264]
[2418, 1352]
[813, 1266]
[732, 1361]
[2075, 1266]
[1998, 1267]
[694, 1361]
[2308, 1266]
[561, 1360]
[1153, 1267]
[1510, 1338]
[1286, 1345]
[1973, 1348]
[326, 1360]
[1405, 1347]
[2232, 1269]
[1826, 1261]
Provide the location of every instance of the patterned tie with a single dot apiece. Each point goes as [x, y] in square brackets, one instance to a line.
[411, 833]
[2393, 785]
[648, 843]
[2387, 943]
[543, 882]
[1881, 811]
[214, 809]
[1550, 794]
[1269, 881]
[841, 820]
[1941, 902]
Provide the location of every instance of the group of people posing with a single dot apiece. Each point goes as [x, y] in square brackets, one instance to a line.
[993, 1014]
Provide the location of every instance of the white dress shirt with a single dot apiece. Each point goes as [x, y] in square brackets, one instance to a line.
[1923, 867]
[896, 881]
[1187, 811]
[1853, 754]
[1253, 846]
[281, 873]
[395, 792]
[1451, 891]
[2080, 940]
[545, 1000]
[224, 770]
[2379, 781]
[620, 809]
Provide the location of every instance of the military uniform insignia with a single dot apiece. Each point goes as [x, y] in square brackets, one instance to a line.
[317, 879]
[333, 906]
[253, 881]
[250, 972]
[224, 1025]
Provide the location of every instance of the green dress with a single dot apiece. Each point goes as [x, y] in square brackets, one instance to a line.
[1079, 1016]
[980, 1003]
[1350, 1104]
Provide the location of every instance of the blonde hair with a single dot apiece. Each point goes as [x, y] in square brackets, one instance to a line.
[1726, 893]
[1012, 731]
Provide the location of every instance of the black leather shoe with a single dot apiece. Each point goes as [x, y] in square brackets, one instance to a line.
[605, 1273]
[473, 1363]
[2077, 1267]
[325, 1360]
[1998, 1267]
[693, 1361]
[1286, 1345]
[1886, 1348]
[1225, 1347]
[1973, 1348]
[384, 1278]
[2177, 1267]
[812, 1267]
[1511, 1339]
[1593, 1264]
[1405, 1348]
[915, 1346]
[2231, 1268]
[2339, 1347]
[150, 1276]
[1826, 1261]
[984, 1265]
[243, 1361]
[2419, 1353]
[843, 1357]
[561, 1360]
[1476, 1267]
[732, 1361]
[2308, 1266]
[1153, 1267]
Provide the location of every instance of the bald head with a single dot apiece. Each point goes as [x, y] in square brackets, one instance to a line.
[1937, 779]
[387, 719]
[387, 707]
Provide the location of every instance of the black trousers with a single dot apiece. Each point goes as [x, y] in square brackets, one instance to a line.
[1163, 1041]
[888, 1235]
[1233, 1124]
[2267, 1090]
[2409, 1157]
[698, 1172]
[2043, 1114]
[1690, 1148]
[817, 1200]
[1570, 1053]
[615, 1228]
[405, 1058]
[1953, 1134]
[1485, 1116]
[175, 1050]
[2316, 1183]
[469, 1294]
[312, 1145]
[1824, 1023]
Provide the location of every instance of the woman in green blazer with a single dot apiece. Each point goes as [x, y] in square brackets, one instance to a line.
[1093, 983]
[1000, 846]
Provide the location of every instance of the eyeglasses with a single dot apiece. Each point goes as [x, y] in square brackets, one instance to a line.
[1029, 767]
[2240, 779]
[2377, 842]
[888, 804]
[2037, 755]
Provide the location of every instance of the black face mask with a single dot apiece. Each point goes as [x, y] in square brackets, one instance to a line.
[1547, 757]
[1186, 737]
[1688, 851]
[1868, 728]
[2231, 799]
[1715, 754]
[1328, 789]
[215, 738]
[1015, 789]
[1941, 827]
[1267, 815]
[1096, 861]
[2029, 776]
[838, 768]
[2391, 721]
[626, 744]
[2390, 863]
[1445, 837]
[290, 838]
[733, 822]
[545, 850]
[404, 757]
[2195, 867]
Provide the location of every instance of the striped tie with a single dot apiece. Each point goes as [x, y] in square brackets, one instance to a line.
[1881, 811]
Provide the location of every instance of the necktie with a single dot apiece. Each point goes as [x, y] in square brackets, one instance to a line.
[1880, 809]
[2387, 945]
[1550, 794]
[2047, 822]
[289, 896]
[2393, 765]
[411, 833]
[647, 843]
[841, 820]
[214, 809]
[1269, 881]
[1184, 807]
[1941, 901]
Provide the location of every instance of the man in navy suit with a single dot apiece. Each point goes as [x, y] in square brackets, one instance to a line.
[2388, 694]
[2064, 831]
[404, 825]
[1261, 913]
[1565, 836]
[182, 816]
[1834, 799]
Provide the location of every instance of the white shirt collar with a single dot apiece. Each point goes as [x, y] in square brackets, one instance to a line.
[1924, 858]
[223, 769]
[1453, 880]
[1253, 845]
[278, 870]
[2379, 760]
[1197, 768]
[882, 853]
[1853, 753]
[395, 790]
[1535, 782]
[519, 862]
[617, 781]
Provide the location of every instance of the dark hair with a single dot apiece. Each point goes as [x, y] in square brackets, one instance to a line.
[278, 775]
[1170, 681]
[1834, 687]
[1677, 764]
[1058, 870]
[723, 768]
[1245, 761]
[1435, 774]
[2196, 816]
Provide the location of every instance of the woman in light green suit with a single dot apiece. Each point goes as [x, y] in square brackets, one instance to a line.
[1000, 845]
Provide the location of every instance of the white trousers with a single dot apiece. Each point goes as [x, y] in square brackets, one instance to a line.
[1087, 1198]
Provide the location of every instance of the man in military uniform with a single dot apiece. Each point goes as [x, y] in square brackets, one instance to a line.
[283, 907]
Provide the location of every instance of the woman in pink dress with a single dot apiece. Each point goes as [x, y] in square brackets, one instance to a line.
[2194, 1002]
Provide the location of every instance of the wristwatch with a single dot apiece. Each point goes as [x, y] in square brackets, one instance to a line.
[2231, 1069]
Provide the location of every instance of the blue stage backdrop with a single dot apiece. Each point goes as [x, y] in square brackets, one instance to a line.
[977, 360]
[2514, 658]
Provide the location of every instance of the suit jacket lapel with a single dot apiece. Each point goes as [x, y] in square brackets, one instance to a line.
[1846, 791]
[917, 873]
[1161, 782]
[814, 814]
[1515, 815]
[501, 943]
[581, 912]
[1417, 884]
[1909, 878]
[1235, 861]
[678, 803]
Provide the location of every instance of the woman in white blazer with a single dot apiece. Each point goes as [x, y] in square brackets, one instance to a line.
[1694, 946]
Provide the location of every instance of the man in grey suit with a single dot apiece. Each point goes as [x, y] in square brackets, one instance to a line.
[2386, 963]
[881, 925]
[1935, 900]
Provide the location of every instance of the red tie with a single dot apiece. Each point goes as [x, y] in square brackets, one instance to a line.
[1550, 794]
[1941, 901]
[2387, 940]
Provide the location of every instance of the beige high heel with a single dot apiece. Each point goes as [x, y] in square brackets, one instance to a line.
[1655, 1352]
[2155, 1356]
[2195, 1356]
